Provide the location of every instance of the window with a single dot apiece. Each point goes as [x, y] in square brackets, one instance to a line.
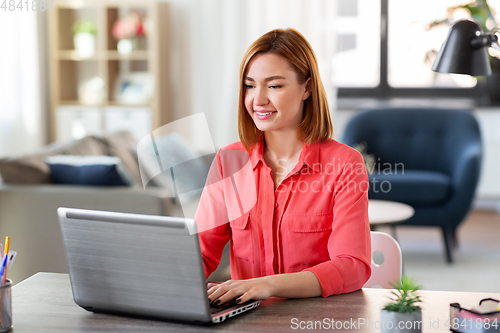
[383, 45]
[410, 45]
[357, 59]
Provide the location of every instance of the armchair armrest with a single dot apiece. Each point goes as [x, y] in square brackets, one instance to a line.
[465, 177]
[467, 166]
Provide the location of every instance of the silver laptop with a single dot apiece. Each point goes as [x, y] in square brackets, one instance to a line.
[140, 265]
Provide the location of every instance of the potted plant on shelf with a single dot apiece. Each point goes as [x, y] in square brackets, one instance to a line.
[402, 314]
[128, 30]
[84, 37]
[481, 12]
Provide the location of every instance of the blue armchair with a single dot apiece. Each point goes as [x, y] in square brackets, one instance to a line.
[428, 158]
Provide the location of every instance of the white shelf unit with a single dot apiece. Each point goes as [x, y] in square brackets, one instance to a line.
[68, 70]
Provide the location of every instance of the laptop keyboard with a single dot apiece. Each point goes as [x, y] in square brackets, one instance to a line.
[222, 307]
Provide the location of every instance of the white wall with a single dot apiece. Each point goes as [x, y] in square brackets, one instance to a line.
[488, 192]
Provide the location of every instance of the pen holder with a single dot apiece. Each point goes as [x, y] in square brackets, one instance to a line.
[6, 306]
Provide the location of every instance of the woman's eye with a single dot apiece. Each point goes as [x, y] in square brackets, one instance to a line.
[275, 87]
[249, 86]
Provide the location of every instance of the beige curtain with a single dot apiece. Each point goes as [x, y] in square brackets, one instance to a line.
[21, 123]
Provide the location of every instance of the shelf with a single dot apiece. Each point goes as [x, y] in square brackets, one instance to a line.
[74, 77]
[78, 103]
[103, 55]
[74, 55]
[103, 104]
[134, 55]
[113, 103]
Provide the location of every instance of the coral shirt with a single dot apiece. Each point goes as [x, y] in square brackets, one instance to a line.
[316, 220]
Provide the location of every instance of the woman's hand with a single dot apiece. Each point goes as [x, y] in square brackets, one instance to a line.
[289, 285]
[241, 290]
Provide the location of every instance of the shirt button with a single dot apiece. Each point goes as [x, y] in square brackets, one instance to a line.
[276, 205]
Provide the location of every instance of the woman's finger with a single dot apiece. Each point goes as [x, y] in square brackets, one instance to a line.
[212, 284]
[228, 296]
[217, 292]
[243, 298]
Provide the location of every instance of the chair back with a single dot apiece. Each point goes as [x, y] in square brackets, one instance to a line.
[389, 271]
[419, 138]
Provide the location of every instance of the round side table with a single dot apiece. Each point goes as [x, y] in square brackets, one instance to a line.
[382, 212]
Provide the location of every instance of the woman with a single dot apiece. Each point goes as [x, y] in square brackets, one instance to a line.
[295, 199]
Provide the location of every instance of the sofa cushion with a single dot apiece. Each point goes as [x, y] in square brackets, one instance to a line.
[32, 169]
[428, 187]
[88, 170]
[122, 144]
[25, 169]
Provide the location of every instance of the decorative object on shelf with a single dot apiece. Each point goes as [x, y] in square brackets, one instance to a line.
[128, 31]
[84, 38]
[91, 92]
[402, 315]
[134, 88]
[466, 49]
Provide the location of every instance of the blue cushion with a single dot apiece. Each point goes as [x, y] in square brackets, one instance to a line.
[414, 187]
[88, 170]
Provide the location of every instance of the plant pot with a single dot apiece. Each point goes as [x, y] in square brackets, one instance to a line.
[85, 44]
[391, 321]
[126, 46]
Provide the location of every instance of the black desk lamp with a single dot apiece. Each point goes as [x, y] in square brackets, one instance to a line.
[465, 50]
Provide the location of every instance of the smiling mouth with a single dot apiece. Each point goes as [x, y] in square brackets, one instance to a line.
[264, 113]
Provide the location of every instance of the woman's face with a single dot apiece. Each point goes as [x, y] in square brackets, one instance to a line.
[273, 96]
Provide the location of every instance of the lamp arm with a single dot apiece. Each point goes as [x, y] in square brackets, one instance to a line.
[484, 40]
[494, 44]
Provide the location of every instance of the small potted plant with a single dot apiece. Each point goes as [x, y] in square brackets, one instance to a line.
[402, 314]
[128, 30]
[84, 37]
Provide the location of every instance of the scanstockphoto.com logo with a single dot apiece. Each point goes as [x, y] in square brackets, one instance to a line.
[431, 324]
[358, 324]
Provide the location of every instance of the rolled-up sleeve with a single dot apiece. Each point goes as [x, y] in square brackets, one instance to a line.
[349, 244]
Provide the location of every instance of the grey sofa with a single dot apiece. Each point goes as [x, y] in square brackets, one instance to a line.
[28, 216]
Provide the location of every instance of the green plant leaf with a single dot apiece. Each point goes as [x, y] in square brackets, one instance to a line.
[405, 296]
[84, 26]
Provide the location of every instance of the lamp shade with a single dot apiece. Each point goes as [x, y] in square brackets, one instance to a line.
[460, 55]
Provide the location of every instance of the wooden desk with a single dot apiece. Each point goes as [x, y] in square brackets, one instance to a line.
[44, 303]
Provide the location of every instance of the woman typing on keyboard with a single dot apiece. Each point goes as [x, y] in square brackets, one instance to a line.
[292, 202]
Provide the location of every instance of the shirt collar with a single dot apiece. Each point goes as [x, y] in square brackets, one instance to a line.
[257, 153]
[309, 155]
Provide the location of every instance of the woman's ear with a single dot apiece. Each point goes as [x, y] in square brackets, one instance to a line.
[308, 89]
